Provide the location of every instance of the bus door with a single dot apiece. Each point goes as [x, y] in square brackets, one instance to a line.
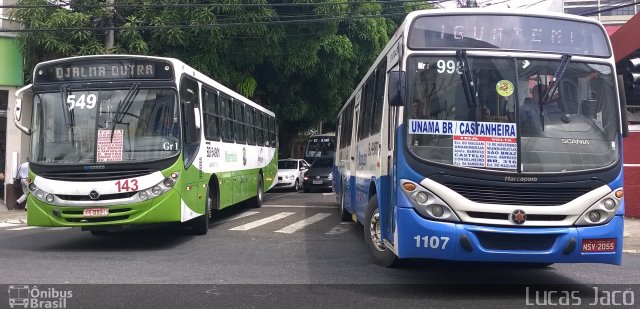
[387, 213]
[353, 163]
[189, 104]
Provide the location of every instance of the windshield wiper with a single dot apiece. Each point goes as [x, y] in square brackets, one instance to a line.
[67, 113]
[123, 106]
[467, 81]
[555, 82]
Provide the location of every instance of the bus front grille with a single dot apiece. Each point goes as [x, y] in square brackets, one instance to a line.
[518, 195]
[100, 198]
[505, 216]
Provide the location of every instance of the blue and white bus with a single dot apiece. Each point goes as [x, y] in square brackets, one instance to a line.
[486, 136]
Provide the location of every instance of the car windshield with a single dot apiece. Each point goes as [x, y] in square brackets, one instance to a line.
[287, 165]
[105, 126]
[322, 163]
[575, 128]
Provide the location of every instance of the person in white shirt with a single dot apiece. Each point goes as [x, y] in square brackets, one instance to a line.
[23, 172]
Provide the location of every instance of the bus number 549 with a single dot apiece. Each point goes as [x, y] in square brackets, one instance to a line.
[433, 242]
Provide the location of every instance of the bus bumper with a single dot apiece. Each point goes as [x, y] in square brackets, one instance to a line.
[417, 237]
[164, 208]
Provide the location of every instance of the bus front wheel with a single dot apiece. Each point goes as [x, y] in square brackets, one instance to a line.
[373, 236]
[201, 224]
[346, 216]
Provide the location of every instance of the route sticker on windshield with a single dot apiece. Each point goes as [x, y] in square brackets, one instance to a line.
[475, 144]
[504, 88]
[110, 150]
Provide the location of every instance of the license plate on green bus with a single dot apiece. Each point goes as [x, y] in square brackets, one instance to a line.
[95, 212]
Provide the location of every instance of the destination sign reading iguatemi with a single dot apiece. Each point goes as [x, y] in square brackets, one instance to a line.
[508, 32]
[107, 69]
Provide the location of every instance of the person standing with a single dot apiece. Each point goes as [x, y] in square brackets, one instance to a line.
[23, 172]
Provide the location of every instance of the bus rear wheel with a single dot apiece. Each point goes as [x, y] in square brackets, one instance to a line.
[373, 236]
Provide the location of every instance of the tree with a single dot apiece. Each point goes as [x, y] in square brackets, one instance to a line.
[302, 61]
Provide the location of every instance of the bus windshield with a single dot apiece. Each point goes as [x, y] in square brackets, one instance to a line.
[105, 126]
[505, 127]
[320, 146]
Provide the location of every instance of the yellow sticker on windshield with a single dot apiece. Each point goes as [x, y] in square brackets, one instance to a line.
[504, 88]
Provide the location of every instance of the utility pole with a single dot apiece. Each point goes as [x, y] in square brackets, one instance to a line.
[109, 37]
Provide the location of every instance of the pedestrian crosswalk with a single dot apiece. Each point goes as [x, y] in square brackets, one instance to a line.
[280, 222]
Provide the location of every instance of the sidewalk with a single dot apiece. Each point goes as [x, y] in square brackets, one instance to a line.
[11, 215]
[631, 227]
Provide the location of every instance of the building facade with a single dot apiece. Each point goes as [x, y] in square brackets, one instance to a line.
[604, 11]
[14, 145]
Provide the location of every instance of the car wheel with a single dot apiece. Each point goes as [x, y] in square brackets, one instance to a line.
[99, 233]
[373, 236]
[296, 186]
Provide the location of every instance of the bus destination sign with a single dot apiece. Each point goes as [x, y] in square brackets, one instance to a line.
[106, 69]
[509, 32]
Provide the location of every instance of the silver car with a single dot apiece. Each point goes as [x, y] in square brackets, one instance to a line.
[291, 172]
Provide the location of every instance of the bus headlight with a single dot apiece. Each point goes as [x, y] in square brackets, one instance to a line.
[156, 190]
[426, 203]
[168, 182]
[160, 188]
[41, 194]
[144, 195]
[602, 211]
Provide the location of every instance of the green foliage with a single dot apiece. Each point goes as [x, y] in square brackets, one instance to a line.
[303, 71]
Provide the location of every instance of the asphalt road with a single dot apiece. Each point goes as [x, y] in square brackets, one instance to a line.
[292, 251]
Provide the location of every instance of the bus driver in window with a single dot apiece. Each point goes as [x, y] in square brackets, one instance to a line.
[530, 118]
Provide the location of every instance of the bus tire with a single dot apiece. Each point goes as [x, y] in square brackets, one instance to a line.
[346, 216]
[200, 225]
[372, 236]
[257, 200]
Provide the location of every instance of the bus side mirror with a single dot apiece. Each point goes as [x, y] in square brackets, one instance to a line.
[396, 88]
[18, 109]
[623, 107]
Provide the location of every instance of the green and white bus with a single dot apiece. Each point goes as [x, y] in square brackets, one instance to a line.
[123, 140]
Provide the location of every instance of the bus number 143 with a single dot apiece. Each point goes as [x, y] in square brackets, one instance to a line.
[433, 242]
[127, 185]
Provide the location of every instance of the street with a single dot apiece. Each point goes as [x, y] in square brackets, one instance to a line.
[295, 238]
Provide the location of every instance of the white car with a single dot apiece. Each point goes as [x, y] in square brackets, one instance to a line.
[291, 172]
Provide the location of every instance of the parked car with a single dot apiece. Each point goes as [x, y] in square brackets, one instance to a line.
[320, 175]
[291, 172]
